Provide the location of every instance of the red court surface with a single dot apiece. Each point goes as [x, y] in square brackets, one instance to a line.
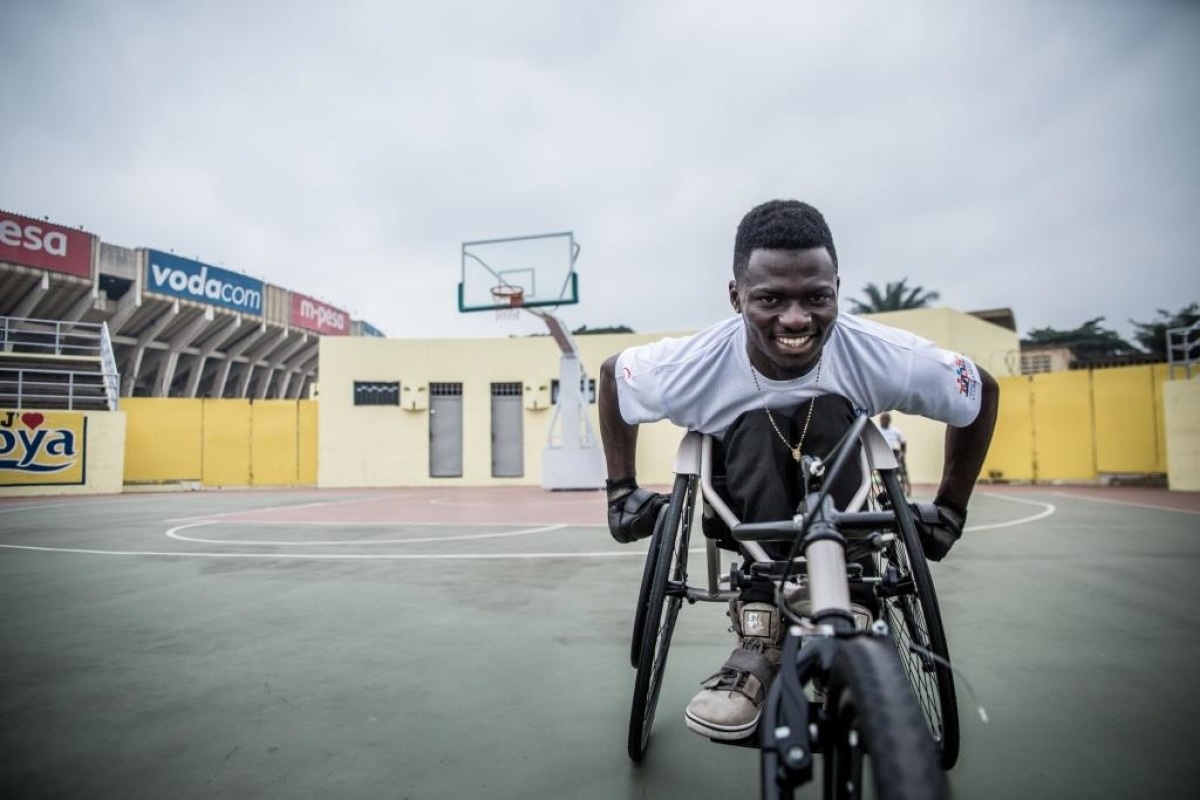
[523, 505]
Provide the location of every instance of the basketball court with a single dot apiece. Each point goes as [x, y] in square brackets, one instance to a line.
[434, 643]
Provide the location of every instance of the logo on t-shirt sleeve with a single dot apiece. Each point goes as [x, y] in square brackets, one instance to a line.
[966, 377]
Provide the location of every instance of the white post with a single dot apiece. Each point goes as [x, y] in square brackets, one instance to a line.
[572, 458]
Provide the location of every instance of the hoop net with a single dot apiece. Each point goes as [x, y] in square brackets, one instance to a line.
[509, 300]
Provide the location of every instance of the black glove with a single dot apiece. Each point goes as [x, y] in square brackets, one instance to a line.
[939, 526]
[632, 512]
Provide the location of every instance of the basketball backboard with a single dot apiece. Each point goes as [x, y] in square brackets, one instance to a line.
[522, 271]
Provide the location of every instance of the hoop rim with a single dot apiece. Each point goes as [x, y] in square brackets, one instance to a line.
[508, 295]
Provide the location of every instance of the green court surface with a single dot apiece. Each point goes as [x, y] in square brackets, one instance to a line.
[434, 644]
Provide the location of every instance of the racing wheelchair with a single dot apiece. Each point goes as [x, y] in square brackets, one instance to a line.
[882, 701]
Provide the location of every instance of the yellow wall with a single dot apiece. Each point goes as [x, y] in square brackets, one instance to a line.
[163, 441]
[274, 443]
[1063, 425]
[1127, 420]
[389, 446]
[105, 459]
[1182, 406]
[1162, 375]
[1080, 425]
[226, 443]
[222, 442]
[306, 446]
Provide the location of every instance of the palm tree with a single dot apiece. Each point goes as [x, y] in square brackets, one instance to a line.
[895, 297]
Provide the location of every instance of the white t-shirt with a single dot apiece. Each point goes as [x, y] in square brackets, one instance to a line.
[703, 382]
[894, 436]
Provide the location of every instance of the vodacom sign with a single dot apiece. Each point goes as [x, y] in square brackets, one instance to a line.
[33, 243]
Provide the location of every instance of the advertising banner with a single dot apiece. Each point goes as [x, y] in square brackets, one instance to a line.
[367, 329]
[34, 243]
[314, 315]
[42, 448]
[203, 283]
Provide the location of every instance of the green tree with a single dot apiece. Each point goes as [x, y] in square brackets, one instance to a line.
[584, 330]
[1152, 336]
[896, 296]
[1091, 341]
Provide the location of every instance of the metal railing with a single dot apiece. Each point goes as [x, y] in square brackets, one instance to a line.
[1183, 348]
[23, 339]
[108, 360]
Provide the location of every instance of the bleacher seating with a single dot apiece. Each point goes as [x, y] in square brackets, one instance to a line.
[48, 364]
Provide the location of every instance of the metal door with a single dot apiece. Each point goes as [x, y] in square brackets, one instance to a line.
[508, 431]
[445, 430]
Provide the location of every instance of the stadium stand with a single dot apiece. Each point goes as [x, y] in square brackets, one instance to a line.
[76, 311]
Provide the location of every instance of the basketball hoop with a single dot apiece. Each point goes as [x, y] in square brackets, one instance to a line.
[508, 300]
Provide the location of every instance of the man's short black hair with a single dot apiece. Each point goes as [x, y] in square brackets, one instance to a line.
[780, 225]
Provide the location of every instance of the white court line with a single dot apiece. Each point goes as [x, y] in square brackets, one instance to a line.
[335, 556]
[435, 501]
[1086, 498]
[267, 508]
[395, 523]
[63, 504]
[173, 533]
[1047, 510]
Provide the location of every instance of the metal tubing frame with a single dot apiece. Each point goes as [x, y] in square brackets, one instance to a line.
[694, 457]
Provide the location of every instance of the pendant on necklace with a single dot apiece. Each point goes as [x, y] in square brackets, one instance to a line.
[796, 454]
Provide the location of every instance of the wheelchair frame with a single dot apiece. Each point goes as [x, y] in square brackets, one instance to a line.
[907, 599]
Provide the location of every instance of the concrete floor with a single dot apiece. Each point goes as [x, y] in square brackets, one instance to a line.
[137, 665]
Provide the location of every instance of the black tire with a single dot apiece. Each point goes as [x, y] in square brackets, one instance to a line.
[873, 738]
[643, 601]
[915, 622]
[670, 544]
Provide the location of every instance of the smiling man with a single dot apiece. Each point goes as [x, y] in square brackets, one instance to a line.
[783, 378]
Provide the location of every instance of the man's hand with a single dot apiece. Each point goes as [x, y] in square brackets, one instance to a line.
[632, 512]
[938, 526]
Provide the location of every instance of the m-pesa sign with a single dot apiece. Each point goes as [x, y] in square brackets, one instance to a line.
[33, 243]
[314, 315]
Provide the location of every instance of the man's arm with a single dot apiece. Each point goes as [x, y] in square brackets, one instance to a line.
[632, 512]
[967, 448]
[618, 436]
[940, 524]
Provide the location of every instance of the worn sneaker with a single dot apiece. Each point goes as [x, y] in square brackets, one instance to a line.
[729, 705]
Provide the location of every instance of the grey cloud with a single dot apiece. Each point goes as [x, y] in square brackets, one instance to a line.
[1035, 155]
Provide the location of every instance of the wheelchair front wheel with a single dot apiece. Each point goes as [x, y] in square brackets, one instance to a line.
[661, 607]
[875, 741]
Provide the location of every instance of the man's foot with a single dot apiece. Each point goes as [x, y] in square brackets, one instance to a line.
[729, 705]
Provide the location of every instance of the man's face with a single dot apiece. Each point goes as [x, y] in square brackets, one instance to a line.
[788, 300]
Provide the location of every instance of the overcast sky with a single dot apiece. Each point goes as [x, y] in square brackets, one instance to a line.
[1043, 156]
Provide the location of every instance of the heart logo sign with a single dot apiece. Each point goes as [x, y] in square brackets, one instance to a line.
[40, 449]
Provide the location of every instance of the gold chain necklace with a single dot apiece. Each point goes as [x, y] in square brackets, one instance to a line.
[770, 417]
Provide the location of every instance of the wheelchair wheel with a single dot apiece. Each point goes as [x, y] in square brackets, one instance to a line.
[643, 601]
[873, 739]
[908, 604]
[669, 547]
